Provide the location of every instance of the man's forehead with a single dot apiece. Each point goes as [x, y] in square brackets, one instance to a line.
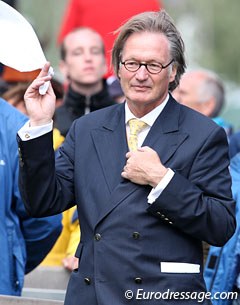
[147, 46]
[84, 37]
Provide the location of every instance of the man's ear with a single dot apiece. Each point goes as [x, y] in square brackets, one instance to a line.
[173, 73]
[209, 107]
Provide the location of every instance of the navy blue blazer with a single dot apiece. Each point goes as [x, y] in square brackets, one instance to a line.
[125, 242]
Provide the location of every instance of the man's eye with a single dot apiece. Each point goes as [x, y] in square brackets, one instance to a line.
[154, 66]
[96, 51]
[77, 52]
[132, 64]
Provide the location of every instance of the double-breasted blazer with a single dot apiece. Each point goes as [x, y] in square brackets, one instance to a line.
[126, 243]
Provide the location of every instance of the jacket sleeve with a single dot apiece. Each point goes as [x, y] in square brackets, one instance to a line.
[40, 234]
[200, 202]
[52, 191]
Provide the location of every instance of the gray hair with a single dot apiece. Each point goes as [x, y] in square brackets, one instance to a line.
[155, 22]
[212, 86]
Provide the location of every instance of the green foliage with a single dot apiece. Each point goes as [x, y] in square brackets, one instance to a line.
[45, 17]
[217, 34]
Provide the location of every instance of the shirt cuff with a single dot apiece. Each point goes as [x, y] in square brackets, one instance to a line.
[28, 133]
[156, 192]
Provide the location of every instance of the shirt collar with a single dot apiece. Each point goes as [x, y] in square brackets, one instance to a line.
[148, 118]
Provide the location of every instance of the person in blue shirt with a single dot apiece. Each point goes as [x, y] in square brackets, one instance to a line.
[222, 270]
[24, 241]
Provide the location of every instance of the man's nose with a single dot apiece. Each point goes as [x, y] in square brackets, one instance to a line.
[142, 73]
[87, 55]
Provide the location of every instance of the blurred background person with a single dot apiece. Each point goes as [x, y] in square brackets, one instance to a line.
[234, 144]
[83, 65]
[3, 86]
[222, 269]
[24, 241]
[203, 91]
[62, 253]
[104, 16]
[14, 95]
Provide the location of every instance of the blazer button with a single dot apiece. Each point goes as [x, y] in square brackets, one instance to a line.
[87, 280]
[138, 280]
[161, 215]
[97, 237]
[136, 235]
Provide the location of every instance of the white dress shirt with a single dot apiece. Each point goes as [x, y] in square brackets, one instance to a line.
[27, 133]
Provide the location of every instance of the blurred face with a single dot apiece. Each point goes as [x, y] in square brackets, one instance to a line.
[143, 90]
[85, 61]
[188, 93]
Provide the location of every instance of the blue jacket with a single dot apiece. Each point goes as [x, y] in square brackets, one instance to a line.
[234, 144]
[223, 263]
[24, 241]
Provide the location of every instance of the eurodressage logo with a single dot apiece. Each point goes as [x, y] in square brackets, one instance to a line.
[183, 295]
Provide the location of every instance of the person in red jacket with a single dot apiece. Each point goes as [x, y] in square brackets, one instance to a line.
[105, 16]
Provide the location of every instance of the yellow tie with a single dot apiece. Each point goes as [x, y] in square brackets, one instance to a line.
[135, 127]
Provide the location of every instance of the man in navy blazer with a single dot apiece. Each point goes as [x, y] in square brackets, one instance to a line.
[143, 213]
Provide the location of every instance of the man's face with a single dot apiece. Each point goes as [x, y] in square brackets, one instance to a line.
[188, 92]
[85, 61]
[142, 89]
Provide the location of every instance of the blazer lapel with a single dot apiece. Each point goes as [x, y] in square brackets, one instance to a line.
[111, 146]
[164, 136]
